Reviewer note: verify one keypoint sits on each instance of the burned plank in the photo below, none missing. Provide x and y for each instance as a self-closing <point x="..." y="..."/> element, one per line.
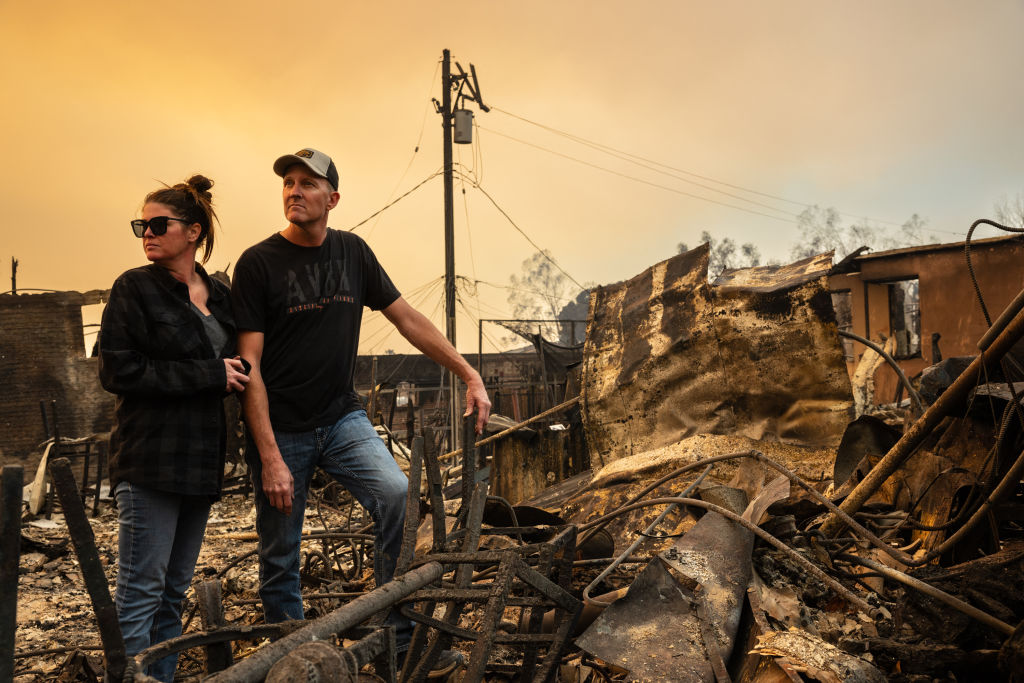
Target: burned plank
<point x="340" y="620"/>
<point x="927" y="658"/>
<point x="211" y="611"/>
<point x="92" y="571"/>
<point x="821" y="660"/>
<point x="11" y="477"/>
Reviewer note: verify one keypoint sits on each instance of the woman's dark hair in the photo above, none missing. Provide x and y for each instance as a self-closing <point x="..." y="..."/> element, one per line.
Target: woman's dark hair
<point x="193" y="201"/>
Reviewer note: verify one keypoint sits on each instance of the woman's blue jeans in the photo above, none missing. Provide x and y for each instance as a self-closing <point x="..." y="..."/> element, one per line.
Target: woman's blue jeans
<point x="353" y="454"/>
<point x="158" y="542"/>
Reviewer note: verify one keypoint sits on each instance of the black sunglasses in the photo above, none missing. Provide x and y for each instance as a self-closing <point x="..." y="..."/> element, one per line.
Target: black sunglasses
<point x="158" y="224"/>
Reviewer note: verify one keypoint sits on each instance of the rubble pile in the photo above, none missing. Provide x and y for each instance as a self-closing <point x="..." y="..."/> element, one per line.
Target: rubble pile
<point x="744" y="519"/>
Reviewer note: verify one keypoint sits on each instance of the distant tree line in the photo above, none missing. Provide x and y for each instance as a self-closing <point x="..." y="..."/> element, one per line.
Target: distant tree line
<point x="820" y="230"/>
<point x="542" y="291"/>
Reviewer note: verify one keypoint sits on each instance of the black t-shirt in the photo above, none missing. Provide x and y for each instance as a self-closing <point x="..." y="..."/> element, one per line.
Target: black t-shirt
<point x="308" y="302"/>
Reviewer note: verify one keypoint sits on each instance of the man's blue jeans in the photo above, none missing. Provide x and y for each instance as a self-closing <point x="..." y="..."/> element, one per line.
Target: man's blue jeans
<point x="352" y="453"/>
<point x="159" y="538"/>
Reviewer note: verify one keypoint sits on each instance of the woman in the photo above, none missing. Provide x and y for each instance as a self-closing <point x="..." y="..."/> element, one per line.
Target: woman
<point x="166" y="345"/>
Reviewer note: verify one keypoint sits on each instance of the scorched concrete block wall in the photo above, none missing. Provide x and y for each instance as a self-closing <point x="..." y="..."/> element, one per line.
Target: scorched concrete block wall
<point x="43" y="358"/>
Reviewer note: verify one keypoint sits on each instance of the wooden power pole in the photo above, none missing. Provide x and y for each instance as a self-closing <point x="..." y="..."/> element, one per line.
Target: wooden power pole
<point x="448" y="85"/>
<point x="449" y="241"/>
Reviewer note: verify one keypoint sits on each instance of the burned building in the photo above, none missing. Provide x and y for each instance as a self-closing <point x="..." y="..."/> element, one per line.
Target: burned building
<point x="717" y="536"/>
<point x="520" y="384"/>
<point x="924" y="300"/>
<point x="43" y="358"/>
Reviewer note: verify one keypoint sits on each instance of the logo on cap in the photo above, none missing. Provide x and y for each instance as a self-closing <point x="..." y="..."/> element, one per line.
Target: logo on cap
<point x="304" y="153"/>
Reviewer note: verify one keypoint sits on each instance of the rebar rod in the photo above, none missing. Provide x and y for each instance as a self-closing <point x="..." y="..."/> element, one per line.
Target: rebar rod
<point x="948" y="401"/>
<point x="839" y="588"/>
<point x="666" y="478"/>
<point x="1000" y="323"/>
<point x="931" y="591"/>
<point x="502" y="434"/>
<point x="640" y="538"/>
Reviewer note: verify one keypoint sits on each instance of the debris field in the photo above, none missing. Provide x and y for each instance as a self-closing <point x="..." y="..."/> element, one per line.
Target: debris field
<point x="745" y="517"/>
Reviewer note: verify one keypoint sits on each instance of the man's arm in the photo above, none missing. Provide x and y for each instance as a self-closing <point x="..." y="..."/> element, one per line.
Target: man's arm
<point x="277" y="478"/>
<point x="422" y="334"/>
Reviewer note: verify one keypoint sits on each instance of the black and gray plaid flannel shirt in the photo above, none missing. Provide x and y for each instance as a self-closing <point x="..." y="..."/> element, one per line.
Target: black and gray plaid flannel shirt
<point x="169" y="432"/>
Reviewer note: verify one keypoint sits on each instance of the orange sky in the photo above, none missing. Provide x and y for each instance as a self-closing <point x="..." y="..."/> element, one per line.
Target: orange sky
<point x="877" y="108"/>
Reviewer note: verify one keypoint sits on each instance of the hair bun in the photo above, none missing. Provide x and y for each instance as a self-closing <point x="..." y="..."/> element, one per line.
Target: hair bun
<point x="200" y="183"/>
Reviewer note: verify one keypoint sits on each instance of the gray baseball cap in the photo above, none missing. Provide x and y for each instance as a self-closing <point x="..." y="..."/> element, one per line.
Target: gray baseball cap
<point x="317" y="162"/>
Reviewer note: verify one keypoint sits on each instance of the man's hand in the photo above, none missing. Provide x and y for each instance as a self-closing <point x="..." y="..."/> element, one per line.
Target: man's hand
<point x="476" y="399"/>
<point x="278" y="484"/>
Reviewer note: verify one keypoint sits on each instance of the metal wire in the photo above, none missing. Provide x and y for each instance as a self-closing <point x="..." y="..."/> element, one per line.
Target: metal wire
<point x="932" y="591"/>
<point x="914" y="396"/>
<point x="809" y="566"/>
<point x="633" y="546"/>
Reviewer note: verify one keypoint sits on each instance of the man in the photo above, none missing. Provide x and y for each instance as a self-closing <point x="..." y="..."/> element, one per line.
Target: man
<point x="298" y="297"/>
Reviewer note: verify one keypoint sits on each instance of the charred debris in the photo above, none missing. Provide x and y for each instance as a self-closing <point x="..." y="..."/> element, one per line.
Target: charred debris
<point x="740" y="512"/>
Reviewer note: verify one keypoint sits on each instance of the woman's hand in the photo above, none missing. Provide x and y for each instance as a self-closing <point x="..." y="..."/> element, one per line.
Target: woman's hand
<point x="236" y="375"/>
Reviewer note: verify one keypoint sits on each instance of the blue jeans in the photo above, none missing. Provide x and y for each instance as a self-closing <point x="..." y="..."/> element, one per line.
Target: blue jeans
<point x="353" y="454"/>
<point x="158" y="542"/>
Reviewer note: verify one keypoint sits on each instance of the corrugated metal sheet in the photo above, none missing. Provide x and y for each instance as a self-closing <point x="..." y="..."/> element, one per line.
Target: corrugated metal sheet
<point x="756" y="354"/>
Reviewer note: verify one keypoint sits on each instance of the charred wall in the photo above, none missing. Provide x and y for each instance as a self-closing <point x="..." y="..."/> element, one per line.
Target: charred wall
<point x="43" y="358"/>
<point x="947" y="299"/>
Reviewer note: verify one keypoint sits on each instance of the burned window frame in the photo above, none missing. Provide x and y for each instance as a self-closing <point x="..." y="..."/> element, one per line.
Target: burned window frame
<point x="905" y="346"/>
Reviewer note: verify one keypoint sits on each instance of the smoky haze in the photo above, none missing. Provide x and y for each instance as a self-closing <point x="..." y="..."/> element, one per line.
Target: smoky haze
<point x="881" y="110"/>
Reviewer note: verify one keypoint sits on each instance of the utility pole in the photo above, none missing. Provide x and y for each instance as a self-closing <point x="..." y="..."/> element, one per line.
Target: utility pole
<point x="449" y="84"/>
<point x="449" y="241"/>
<point x="14" y="275"/>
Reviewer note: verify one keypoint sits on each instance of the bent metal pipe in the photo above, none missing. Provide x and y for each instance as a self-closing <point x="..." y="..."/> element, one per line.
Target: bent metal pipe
<point x="348" y="616"/>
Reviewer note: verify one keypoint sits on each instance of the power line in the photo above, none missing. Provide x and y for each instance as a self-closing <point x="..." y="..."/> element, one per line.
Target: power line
<point x="379" y="334"/>
<point x="521" y="232"/>
<point x="521" y="291"/>
<point x="416" y="148"/>
<point x="791" y="216"/>
<point x="469" y="233"/>
<point x="634" y="158"/>
<point x="388" y="329"/>
<point x="623" y="156"/>
<point x="390" y="204"/>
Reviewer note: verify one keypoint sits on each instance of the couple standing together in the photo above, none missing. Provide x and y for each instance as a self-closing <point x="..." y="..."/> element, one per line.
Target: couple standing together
<point x="174" y="342"/>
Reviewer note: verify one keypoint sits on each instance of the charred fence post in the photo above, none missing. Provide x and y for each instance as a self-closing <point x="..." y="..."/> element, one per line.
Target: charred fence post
<point x="412" y="507"/>
<point x="438" y="641"/>
<point x="557" y="557"/>
<point x="512" y="586"/>
<point x="469" y="460"/>
<point x="495" y="605"/>
<point x="56" y="453"/>
<point x="434" y="494"/>
<point x="211" y="612"/>
<point x="11" y="479"/>
<point x="419" y="636"/>
<point x="92" y="571"/>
